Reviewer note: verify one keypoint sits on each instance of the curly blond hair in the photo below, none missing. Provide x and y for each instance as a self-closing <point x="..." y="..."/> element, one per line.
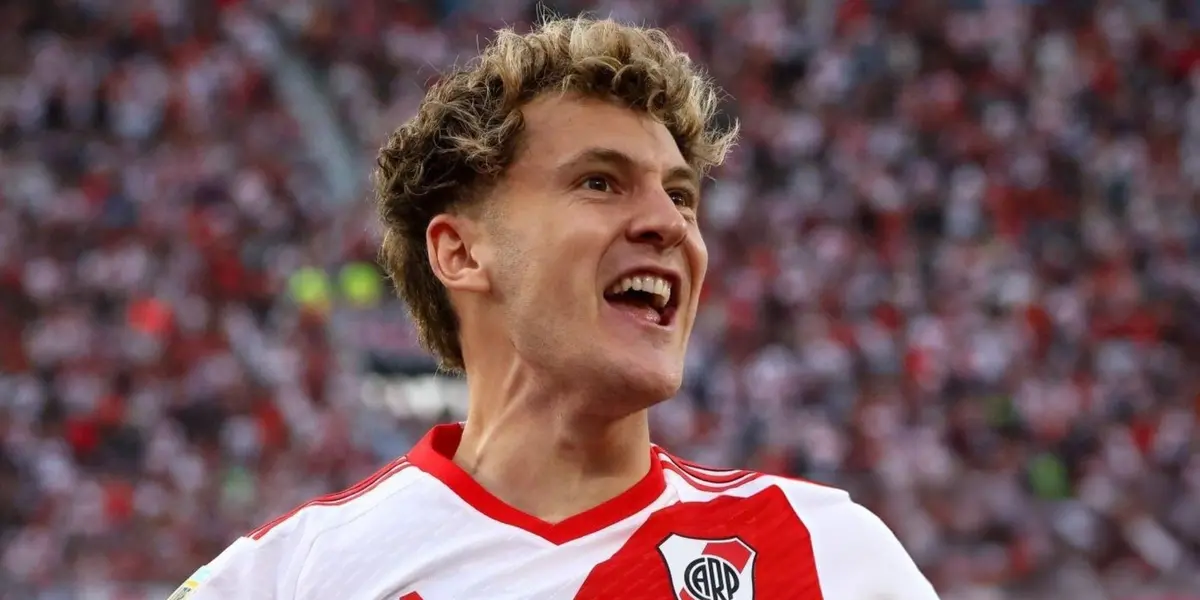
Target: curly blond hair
<point x="465" y="133"/>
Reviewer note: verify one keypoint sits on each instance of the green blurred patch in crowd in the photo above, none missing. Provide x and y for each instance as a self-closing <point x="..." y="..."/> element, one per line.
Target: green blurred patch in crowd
<point x="358" y="284"/>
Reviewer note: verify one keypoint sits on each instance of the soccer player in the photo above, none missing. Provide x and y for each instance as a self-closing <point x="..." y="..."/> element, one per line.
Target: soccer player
<point x="540" y="214"/>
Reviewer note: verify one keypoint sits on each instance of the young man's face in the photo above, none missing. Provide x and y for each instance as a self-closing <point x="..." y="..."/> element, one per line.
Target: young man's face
<point x="598" y="257"/>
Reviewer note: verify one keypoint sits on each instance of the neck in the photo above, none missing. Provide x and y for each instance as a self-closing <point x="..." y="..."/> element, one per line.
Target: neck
<point x="538" y="447"/>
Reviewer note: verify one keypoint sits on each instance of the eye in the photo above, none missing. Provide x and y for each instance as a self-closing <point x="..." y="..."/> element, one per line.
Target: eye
<point x="598" y="183"/>
<point x="682" y="197"/>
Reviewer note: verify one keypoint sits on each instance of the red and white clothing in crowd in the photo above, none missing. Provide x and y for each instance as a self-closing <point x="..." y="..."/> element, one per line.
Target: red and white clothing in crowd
<point x="422" y="528"/>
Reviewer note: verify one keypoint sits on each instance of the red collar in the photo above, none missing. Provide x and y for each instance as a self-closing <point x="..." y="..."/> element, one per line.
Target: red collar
<point x="434" y="454"/>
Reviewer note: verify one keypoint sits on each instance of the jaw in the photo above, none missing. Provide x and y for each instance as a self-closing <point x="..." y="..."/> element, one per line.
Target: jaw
<point x="604" y="376"/>
<point x="643" y="359"/>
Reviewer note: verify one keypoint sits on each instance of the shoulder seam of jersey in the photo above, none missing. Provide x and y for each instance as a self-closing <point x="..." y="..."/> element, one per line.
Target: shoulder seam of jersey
<point x="721" y="480"/>
<point x="715" y="470"/>
<point x="694" y="466"/>
<point x="354" y="492"/>
<point x="334" y="526"/>
<point x="704" y="479"/>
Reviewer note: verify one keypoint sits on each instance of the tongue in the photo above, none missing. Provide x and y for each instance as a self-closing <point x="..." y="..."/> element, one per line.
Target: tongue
<point x="637" y="309"/>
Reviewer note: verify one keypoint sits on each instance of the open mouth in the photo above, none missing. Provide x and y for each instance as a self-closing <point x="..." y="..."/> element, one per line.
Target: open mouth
<point x="651" y="297"/>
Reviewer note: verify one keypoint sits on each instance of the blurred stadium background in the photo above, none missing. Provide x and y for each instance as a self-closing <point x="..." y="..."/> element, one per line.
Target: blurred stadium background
<point x="953" y="270"/>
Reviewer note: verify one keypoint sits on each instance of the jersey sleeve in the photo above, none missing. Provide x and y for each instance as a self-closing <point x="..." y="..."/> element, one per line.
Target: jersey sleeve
<point x="249" y="569"/>
<point x="857" y="557"/>
<point x="894" y="575"/>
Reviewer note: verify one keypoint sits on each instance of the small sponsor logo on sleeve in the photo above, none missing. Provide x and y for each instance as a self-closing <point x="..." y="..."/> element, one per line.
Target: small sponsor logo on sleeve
<point x="192" y="583"/>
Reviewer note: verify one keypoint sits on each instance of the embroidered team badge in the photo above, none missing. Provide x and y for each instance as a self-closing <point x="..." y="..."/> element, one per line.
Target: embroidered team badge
<point x="709" y="569"/>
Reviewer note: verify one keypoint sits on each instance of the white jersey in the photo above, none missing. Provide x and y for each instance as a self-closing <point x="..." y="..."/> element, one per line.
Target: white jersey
<point x="423" y="529"/>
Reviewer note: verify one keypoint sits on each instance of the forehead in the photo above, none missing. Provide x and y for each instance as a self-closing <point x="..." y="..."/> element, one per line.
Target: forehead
<point x="559" y="126"/>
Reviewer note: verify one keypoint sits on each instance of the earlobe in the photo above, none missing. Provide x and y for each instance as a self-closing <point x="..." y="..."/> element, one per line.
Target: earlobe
<point x="451" y="243"/>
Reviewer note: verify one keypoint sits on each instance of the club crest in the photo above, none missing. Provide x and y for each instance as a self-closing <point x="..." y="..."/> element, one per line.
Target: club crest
<point x="709" y="569"/>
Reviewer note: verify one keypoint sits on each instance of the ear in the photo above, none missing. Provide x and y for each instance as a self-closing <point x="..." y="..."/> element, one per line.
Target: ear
<point x="450" y="241"/>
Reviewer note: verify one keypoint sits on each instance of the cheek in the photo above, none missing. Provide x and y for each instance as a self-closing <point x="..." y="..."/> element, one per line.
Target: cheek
<point x="578" y="242"/>
<point x="513" y="265"/>
<point x="570" y="260"/>
<point x="548" y="269"/>
<point x="698" y="258"/>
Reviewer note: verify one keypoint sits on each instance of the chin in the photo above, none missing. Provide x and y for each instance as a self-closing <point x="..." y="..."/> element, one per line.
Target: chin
<point x="639" y="384"/>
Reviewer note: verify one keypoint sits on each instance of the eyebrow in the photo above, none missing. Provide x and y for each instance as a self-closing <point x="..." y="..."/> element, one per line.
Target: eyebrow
<point x="616" y="157"/>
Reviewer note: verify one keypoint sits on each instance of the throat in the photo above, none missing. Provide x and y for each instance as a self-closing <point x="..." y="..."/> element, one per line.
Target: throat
<point x="551" y="479"/>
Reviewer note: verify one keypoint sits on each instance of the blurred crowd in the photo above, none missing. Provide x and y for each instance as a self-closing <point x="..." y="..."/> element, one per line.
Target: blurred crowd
<point x="953" y="270"/>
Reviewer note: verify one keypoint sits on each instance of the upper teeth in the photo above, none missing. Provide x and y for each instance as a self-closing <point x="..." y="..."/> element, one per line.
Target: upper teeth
<point x="652" y="284"/>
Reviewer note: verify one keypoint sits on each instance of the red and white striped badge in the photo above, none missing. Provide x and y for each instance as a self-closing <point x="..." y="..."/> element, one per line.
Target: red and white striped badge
<point x="709" y="569"/>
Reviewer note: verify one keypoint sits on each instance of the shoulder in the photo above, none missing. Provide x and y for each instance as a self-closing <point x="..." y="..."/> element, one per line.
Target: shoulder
<point x="839" y="530"/>
<point x="267" y="562"/>
<point x="692" y="479"/>
<point x="333" y="510"/>
<point x="842" y="535"/>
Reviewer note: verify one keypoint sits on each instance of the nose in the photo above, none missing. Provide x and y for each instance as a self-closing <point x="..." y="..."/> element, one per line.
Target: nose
<point x="658" y="222"/>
